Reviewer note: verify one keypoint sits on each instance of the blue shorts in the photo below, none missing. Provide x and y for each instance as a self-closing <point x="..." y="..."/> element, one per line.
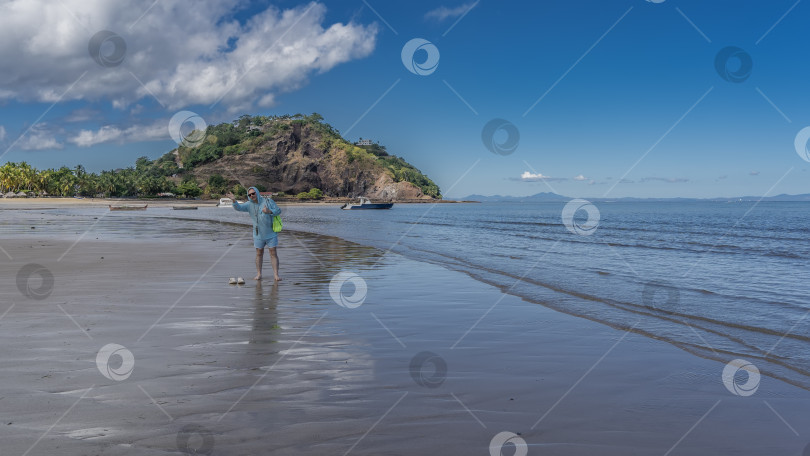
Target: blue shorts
<point x="262" y="243"/>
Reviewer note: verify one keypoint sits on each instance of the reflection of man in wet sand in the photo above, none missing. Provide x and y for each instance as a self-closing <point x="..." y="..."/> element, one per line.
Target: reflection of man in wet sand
<point x="262" y="210"/>
<point x="265" y="318"/>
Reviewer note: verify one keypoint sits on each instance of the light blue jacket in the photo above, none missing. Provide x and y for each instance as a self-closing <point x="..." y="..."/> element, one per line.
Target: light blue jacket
<point x="262" y="223"/>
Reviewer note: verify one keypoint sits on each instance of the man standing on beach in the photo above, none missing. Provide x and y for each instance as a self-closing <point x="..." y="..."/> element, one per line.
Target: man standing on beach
<point x="262" y="210"/>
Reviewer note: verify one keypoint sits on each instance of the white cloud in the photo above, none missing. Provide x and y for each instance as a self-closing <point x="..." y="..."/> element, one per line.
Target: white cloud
<point x="534" y="177"/>
<point x="111" y="133"/>
<point x="527" y="176"/>
<point x="444" y="12"/>
<point x="580" y="178"/>
<point x="182" y="52"/>
<point x="38" y="138"/>
<point x="87" y="138"/>
<point x="2" y="132"/>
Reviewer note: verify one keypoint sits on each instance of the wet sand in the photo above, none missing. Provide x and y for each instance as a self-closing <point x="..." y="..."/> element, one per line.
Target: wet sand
<point x="283" y="369"/>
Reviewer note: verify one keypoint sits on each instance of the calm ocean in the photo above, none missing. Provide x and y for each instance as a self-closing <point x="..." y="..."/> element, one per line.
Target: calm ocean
<point x="722" y="280"/>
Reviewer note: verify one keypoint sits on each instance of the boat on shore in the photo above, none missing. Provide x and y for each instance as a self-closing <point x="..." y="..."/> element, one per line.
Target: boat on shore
<point x="128" y="208"/>
<point x="366" y="204"/>
<point x="225" y="202"/>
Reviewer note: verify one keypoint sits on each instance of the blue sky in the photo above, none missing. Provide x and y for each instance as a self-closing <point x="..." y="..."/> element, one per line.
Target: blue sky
<point x="618" y="98"/>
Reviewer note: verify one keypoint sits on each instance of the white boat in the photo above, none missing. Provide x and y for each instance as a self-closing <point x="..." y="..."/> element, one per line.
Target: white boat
<point x="225" y="202"/>
<point x="366" y="204"/>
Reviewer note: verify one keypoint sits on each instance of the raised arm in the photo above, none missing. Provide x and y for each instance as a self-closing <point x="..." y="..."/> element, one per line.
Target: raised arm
<point x="241" y="207"/>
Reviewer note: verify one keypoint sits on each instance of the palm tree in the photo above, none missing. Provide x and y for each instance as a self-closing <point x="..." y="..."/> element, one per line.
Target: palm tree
<point x="44" y="180"/>
<point x="27" y="176"/>
<point x="106" y="184"/>
<point x="5" y="176"/>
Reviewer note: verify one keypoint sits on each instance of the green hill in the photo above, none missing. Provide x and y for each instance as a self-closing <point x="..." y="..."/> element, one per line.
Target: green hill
<point x="293" y="154"/>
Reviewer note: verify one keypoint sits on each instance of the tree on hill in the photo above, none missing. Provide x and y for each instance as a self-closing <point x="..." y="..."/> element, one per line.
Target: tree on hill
<point x="313" y="193"/>
<point x="189" y="188"/>
<point x="216" y="184"/>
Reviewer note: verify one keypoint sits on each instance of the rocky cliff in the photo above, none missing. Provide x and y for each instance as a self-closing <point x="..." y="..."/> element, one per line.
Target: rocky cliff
<point x="298" y="153"/>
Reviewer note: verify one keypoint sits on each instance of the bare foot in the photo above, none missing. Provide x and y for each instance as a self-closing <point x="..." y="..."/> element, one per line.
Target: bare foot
<point x="258" y="277"/>
<point x="278" y="279"/>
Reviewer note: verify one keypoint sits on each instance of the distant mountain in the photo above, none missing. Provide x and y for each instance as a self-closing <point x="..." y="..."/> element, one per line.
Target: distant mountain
<point x="545" y="196"/>
<point x="552" y="197"/>
<point x="782" y="197"/>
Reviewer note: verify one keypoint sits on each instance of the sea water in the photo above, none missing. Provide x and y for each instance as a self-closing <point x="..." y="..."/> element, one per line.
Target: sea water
<point x="722" y="280"/>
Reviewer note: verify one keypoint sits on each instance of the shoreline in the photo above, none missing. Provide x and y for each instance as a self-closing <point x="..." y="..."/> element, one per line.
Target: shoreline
<point x="316" y="377"/>
<point x="43" y="202"/>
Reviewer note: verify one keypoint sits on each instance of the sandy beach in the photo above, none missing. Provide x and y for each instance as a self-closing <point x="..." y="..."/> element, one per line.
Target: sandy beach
<point x="425" y="360"/>
<point x="51" y="203"/>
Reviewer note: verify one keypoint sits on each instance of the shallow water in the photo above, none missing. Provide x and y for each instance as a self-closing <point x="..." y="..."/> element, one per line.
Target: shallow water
<point x="723" y="280"/>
